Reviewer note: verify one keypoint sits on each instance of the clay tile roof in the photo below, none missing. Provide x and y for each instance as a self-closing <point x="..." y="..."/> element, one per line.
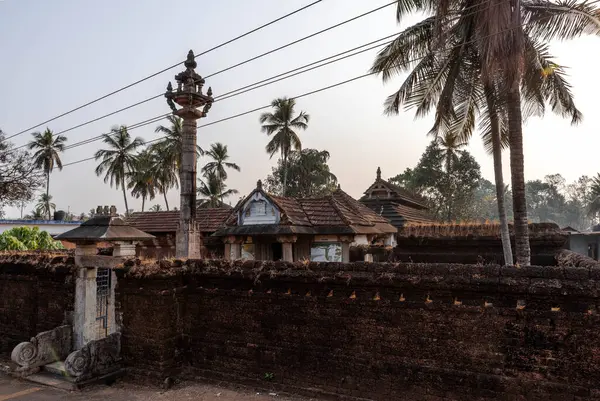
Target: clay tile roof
<point x="411" y="214"/>
<point x="209" y="220"/>
<point x="292" y="211"/>
<point x="321" y="212"/>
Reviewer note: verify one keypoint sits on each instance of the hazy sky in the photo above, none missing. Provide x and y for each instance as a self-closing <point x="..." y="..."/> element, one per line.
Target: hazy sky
<point x="62" y="53"/>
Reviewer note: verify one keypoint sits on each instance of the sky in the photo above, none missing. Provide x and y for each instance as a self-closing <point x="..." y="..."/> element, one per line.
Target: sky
<point x="60" y="54"/>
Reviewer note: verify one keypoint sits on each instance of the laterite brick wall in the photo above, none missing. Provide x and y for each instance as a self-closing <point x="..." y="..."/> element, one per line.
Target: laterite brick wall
<point x="36" y="292"/>
<point x="377" y="331"/>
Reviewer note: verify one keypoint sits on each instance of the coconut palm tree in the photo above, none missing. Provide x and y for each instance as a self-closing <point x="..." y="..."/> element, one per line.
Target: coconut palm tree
<point x="47" y="155"/>
<point x="156" y="208"/>
<point x="35" y="215"/>
<point x="212" y="191"/>
<point x="219" y="164"/>
<point x="119" y="159"/>
<point x="45" y="206"/>
<point x="170" y="146"/>
<point x="141" y="181"/>
<point x="443" y="75"/>
<point x="283" y="124"/>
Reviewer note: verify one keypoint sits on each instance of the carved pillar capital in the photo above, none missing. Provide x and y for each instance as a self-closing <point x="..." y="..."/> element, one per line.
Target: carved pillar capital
<point x="287" y="238"/>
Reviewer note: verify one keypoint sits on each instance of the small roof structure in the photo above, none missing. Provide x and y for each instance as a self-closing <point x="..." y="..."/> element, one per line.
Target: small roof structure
<point x="395" y="203"/>
<point x="208" y="219"/>
<point x="104" y="227"/>
<point x="337" y="213"/>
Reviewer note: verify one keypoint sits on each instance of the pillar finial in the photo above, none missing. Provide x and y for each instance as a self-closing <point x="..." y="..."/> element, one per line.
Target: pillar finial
<point x="259" y="185"/>
<point x="190" y="62"/>
<point x="379" y="173"/>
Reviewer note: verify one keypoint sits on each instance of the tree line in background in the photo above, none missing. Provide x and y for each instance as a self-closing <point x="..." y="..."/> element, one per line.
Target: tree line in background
<point x="450" y="181"/>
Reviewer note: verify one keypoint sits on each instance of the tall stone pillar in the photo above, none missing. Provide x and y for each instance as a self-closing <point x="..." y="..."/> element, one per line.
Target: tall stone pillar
<point x="189" y="96"/>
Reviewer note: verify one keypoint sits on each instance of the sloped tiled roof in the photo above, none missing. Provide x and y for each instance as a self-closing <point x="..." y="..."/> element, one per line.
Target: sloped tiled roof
<point x="334" y="212"/>
<point x="292" y="211"/>
<point x="209" y="220"/>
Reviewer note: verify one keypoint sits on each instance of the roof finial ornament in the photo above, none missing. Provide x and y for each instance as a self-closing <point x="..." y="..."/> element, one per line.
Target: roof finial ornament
<point x="379" y="173"/>
<point x="339" y="187"/>
<point x="190" y="62"/>
<point x="259" y="185"/>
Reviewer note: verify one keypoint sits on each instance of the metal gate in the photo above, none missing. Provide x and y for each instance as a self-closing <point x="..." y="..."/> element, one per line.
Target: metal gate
<point x="103" y="284"/>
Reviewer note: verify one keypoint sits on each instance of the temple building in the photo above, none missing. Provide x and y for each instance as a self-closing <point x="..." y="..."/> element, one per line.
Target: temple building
<point x="267" y="227"/>
<point x="396" y="204"/>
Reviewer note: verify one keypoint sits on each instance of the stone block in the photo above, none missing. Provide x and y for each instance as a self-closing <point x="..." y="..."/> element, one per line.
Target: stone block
<point x="47" y="347"/>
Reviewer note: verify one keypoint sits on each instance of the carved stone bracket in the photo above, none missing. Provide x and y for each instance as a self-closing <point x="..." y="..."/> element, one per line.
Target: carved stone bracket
<point x="47" y="347"/>
<point x="96" y="358"/>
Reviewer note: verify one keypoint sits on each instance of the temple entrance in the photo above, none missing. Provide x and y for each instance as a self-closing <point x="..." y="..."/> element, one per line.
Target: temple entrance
<point x="277" y="251"/>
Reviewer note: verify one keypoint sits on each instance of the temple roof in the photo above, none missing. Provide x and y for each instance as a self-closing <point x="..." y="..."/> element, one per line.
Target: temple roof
<point x="208" y="219"/>
<point x="337" y="213"/>
<point x="104" y="228"/>
<point x="398" y="205"/>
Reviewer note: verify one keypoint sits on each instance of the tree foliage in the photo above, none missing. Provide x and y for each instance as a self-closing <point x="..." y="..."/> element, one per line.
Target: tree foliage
<point x="26" y="239"/>
<point x="19" y="176"/>
<point x="449" y="193"/>
<point x="308" y="175"/>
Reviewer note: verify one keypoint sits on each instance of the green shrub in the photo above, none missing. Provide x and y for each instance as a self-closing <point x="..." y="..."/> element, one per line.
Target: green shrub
<point x="27" y="238"/>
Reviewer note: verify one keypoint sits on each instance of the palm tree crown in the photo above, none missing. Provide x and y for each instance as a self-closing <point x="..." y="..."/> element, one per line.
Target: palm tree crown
<point x="47" y="155"/>
<point x="212" y="191"/>
<point x="118" y="159"/>
<point x="219" y="164"/>
<point x="141" y="181"/>
<point x="170" y="146"/>
<point x="283" y="124"/>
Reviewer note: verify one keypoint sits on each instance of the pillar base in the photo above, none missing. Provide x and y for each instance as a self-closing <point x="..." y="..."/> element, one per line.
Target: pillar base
<point x="188" y="242"/>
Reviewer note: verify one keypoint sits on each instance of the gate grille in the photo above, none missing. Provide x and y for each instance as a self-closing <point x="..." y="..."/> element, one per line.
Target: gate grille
<point x="102" y="301"/>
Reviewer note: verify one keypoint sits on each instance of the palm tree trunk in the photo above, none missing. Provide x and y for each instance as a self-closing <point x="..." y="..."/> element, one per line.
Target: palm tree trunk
<point x="166" y="201"/>
<point x="143" y="202"/>
<point x="497" y="156"/>
<point x="48" y="194"/>
<point x="517" y="169"/>
<point x="124" y="196"/>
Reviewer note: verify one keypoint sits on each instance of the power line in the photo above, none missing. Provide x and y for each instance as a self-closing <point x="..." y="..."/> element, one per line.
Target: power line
<point x="252" y="59"/>
<point x="247" y="88"/>
<point x="166" y="69"/>
<point x="218" y="72"/>
<point x="340" y="83"/>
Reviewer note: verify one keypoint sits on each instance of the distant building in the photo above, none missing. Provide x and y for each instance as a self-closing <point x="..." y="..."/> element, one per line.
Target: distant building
<point x="585" y="243"/>
<point x="395" y="203"/>
<point x="53" y="227"/>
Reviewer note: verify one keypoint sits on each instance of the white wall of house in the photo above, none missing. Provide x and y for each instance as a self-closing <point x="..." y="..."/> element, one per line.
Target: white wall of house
<point x="52" y="227"/>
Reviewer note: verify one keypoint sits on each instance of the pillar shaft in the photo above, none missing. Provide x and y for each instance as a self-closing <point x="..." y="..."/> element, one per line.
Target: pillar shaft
<point x="187" y="245"/>
<point x="84" y="319"/>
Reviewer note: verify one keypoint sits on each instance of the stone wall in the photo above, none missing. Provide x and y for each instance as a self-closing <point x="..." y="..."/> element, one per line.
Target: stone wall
<point x="36" y="293"/>
<point x="377" y="331"/>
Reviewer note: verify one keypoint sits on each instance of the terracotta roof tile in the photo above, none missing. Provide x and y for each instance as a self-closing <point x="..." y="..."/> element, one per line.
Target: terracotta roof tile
<point x="292" y="211"/>
<point x="209" y="220"/>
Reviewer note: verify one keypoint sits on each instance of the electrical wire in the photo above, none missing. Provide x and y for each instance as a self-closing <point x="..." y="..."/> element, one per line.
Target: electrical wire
<point x="165" y="69"/>
<point x="330" y="86"/>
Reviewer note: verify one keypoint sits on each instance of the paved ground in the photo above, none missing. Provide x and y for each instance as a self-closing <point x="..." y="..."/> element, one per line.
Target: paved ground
<point x="12" y="389"/>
